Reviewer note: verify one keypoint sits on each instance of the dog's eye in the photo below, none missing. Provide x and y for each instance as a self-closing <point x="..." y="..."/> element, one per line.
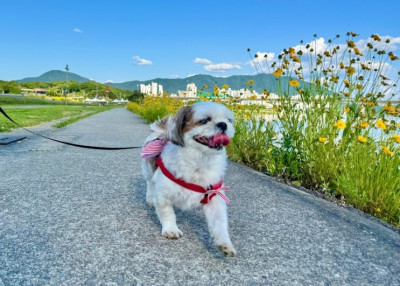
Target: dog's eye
<point x="205" y="120"/>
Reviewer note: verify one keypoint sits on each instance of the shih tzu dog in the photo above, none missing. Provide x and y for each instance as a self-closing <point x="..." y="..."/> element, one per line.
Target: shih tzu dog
<point x="184" y="162"/>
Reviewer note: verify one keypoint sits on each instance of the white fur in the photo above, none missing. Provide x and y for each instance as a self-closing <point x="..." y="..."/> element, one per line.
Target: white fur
<point x="194" y="163"/>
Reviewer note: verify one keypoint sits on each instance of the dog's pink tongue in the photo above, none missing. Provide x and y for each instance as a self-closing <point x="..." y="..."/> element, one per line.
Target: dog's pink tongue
<point x="220" y="139"/>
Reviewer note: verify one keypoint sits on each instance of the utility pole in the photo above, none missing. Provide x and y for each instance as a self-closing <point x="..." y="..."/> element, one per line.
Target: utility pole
<point x="66" y="87"/>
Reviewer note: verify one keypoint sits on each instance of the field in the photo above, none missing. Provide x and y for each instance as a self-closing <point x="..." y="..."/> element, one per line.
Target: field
<point x="33" y="111"/>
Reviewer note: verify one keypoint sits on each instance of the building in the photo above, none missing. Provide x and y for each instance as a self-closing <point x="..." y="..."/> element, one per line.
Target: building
<point x="191" y="91"/>
<point x="152" y="89"/>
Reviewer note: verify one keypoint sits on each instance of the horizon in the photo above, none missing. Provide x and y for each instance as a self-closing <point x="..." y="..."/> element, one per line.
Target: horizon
<point x="122" y="41"/>
<point x="145" y="80"/>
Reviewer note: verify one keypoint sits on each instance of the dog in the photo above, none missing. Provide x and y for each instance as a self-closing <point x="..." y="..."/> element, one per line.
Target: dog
<point x="184" y="162"/>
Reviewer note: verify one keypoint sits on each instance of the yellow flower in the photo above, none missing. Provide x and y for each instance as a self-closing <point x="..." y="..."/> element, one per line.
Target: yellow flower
<point x="340" y="124"/>
<point x="376" y="37"/>
<point x="381" y="124"/>
<point x="253" y="97"/>
<point x="278" y="72"/>
<point x="295" y="58"/>
<point x="361" y="139"/>
<point x="383" y="77"/>
<point x="387" y="151"/>
<point x="247" y="117"/>
<point x="251" y="81"/>
<point x="365" y="67"/>
<point x="350" y="71"/>
<point x="347" y="109"/>
<point x="346" y="83"/>
<point x="392" y="56"/>
<point x="364" y="124"/>
<point x="322" y="139"/>
<point x="357" y="52"/>
<point x="396" y="138"/>
<point x="350" y="44"/>
<point x="398" y="124"/>
<point x="225" y="86"/>
<point x="294" y="83"/>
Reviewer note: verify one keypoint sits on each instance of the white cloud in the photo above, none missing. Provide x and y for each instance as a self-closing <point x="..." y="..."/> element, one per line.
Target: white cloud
<point x="262" y="62"/>
<point x="221" y="67"/>
<point x="202" y="61"/>
<point x="141" y="62"/>
<point x="77" y="30"/>
<point x="109" y="81"/>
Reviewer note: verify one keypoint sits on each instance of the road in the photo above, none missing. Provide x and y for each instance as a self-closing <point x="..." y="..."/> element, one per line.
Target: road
<point x="71" y="216"/>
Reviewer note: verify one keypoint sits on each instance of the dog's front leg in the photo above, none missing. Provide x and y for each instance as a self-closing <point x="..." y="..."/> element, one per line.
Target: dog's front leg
<point x="217" y="220"/>
<point x="166" y="214"/>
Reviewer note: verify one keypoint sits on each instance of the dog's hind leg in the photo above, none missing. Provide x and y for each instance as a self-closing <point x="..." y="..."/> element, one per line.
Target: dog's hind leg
<point x="217" y="220"/>
<point x="150" y="193"/>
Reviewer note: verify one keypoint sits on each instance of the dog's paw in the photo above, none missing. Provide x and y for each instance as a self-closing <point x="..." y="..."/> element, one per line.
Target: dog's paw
<point x="227" y="249"/>
<point x="172" y="233"/>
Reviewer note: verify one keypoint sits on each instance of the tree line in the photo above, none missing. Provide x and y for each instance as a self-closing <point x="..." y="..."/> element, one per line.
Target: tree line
<point x="87" y="89"/>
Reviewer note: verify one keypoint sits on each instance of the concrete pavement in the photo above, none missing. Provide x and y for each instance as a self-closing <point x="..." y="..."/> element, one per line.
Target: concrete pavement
<point x="71" y="216"/>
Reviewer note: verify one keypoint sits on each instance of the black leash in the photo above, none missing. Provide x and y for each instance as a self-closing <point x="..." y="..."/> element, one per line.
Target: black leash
<point x="68" y="143"/>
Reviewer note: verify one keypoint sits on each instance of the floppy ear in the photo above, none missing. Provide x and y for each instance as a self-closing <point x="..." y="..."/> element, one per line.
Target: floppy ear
<point x="175" y="134"/>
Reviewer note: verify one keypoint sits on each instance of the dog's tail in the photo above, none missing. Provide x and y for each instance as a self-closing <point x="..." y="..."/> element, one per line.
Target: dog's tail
<point x="160" y="126"/>
<point x="159" y="129"/>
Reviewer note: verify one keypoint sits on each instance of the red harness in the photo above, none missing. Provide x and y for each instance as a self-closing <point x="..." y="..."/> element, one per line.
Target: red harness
<point x="209" y="193"/>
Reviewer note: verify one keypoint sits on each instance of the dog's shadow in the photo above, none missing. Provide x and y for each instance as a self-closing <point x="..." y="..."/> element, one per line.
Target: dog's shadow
<point x="194" y="220"/>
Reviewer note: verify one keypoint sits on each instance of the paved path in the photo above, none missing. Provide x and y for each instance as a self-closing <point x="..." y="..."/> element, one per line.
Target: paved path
<point x="71" y="216"/>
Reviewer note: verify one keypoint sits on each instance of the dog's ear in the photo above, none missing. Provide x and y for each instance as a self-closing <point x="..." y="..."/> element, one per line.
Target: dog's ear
<point x="180" y="120"/>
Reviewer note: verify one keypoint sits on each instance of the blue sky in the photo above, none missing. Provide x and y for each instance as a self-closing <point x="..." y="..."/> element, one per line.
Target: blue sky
<point x="141" y="40"/>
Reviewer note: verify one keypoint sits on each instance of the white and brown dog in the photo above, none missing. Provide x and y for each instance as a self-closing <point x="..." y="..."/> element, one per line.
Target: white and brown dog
<point x="184" y="162"/>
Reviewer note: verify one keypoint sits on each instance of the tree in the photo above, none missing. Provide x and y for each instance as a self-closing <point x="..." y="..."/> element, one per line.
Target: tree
<point x="10" y="87"/>
<point x="136" y="96"/>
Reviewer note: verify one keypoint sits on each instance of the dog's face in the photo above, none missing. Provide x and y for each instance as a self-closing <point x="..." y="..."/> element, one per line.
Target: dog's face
<point x="207" y="126"/>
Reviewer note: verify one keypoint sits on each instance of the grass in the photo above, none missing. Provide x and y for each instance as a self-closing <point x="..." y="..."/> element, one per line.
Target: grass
<point x="24" y="100"/>
<point x="31" y="116"/>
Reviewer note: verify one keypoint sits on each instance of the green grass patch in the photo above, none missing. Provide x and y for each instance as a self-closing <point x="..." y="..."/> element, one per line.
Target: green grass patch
<point x="32" y="100"/>
<point x="31" y="116"/>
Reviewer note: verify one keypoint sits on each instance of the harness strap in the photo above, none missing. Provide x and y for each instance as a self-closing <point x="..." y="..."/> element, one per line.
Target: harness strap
<point x="208" y="193"/>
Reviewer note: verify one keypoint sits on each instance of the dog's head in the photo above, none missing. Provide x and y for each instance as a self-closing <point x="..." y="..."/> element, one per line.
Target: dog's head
<point x="204" y="125"/>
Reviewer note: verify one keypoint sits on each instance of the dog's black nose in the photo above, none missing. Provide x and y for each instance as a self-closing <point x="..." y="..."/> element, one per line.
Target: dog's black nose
<point x="222" y="126"/>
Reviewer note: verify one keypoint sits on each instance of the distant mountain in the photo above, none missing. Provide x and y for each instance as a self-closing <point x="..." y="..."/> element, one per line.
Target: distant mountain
<point x="261" y="81"/>
<point x="55" y="75"/>
<point x="172" y="85"/>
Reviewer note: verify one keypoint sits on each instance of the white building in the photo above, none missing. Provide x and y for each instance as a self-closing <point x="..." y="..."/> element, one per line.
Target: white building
<point x="151" y="89"/>
<point x="191" y="91"/>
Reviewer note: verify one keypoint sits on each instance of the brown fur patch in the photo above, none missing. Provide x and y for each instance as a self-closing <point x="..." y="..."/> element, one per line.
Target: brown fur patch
<point x="181" y="119"/>
<point x="152" y="163"/>
<point x="162" y="124"/>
